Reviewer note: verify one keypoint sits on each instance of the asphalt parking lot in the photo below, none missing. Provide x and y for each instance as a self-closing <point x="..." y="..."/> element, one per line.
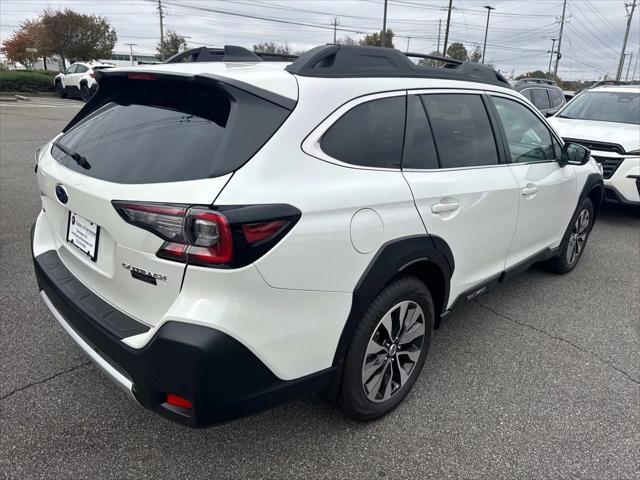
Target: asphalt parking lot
<point x="539" y="379"/>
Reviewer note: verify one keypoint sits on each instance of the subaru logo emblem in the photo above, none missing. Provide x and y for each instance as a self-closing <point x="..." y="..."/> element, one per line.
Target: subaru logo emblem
<point x="61" y="194"/>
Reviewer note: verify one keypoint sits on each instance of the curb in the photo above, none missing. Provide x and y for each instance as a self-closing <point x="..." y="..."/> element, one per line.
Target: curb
<point x="8" y="99"/>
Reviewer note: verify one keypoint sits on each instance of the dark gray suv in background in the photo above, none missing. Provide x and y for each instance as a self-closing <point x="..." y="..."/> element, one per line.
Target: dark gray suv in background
<point x="544" y="94"/>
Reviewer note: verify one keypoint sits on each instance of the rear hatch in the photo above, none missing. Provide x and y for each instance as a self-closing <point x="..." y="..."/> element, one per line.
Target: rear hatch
<point x="170" y="140"/>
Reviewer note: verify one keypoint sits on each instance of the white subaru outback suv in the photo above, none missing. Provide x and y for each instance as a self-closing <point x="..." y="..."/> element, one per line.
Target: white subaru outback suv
<point x="606" y="119"/>
<point x="222" y="237"/>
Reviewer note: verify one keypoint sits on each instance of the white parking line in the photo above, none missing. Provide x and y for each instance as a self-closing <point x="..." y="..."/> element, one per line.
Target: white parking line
<point x="48" y="102"/>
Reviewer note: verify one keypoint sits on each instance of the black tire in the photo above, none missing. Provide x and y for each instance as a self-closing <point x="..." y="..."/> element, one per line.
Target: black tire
<point x="85" y="93"/>
<point x="568" y="257"/>
<point x="352" y="398"/>
<point x="60" y="90"/>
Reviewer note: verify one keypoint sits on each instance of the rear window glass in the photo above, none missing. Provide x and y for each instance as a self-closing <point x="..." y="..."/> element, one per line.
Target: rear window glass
<point x="155" y="132"/>
<point x="540" y="98"/>
<point x="462" y="130"/>
<point x="370" y="134"/>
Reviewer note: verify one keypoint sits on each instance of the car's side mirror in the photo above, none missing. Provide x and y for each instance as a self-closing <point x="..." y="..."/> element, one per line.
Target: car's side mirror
<point x="549" y="113"/>
<point x="574" y="154"/>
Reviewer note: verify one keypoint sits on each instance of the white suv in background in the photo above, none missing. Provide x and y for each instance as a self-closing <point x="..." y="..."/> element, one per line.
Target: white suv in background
<point x="606" y="120"/>
<point x="79" y="80"/>
<point x="221" y="237"/>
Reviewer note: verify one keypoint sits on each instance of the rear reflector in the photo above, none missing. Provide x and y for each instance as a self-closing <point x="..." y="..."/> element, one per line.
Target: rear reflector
<point x="178" y="401"/>
<point x="257" y="232"/>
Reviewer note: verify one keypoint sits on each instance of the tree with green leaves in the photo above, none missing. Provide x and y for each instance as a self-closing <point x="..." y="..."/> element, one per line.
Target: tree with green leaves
<point x="173" y="43"/>
<point x="457" y="51"/>
<point x="476" y="55"/>
<point x="375" y="39"/>
<point x="77" y="36"/>
<point x="272" y="47"/>
<point x="534" y="74"/>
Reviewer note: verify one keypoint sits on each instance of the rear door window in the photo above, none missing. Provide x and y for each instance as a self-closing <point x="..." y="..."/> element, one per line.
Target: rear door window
<point x="419" y="146"/>
<point x="462" y="131"/>
<point x="540" y="98"/>
<point x="527" y="93"/>
<point x="557" y="98"/>
<point x="156" y="131"/>
<point x="369" y="135"/>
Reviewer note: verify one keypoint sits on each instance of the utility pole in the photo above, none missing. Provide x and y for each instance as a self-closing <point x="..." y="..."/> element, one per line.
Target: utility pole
<point x="384" y="26"/>
<point x="161" y="30"/>
<point x="439" y="30"/>
<point x="626" y="37"/>
<point x="335" y="26"/>
<point x="131" y="45"/>
<point x="626" y="77"/>
<point x="553" y="43"/>
<point x="408" y="40"/>
<point x="558" y="54"/>
<point x="446" y="30"/>
<point x="633" y="75"/>
<point x="486" y="30"/>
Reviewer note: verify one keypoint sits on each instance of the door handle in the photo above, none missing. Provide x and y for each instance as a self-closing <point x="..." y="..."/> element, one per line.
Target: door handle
<point x="445" y="207"/>
<point x="530" y="190"/>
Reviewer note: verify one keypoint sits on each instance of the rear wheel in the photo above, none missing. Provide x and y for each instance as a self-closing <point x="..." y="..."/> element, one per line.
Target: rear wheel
<point x="85" y="93"/>
<point x="60" y="90"/>
<point x="388" y="350"/>
<point x="575" y="239"/>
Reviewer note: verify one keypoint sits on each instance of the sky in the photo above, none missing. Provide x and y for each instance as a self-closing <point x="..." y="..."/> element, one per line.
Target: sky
<point x="519" y="36"/>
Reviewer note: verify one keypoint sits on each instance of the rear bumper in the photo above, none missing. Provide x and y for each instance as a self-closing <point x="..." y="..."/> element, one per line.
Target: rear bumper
<point x="222" y="378"/>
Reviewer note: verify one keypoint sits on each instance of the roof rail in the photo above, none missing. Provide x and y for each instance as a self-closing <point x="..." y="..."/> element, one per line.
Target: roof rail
<point x="229" y="53"/>
<point x="344" y="61"/>
<point x="542" y="81"/>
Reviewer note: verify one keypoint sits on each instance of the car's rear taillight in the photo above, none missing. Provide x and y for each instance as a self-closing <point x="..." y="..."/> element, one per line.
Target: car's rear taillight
<point x="224" y="237"/>
<point x="92" y="75"/>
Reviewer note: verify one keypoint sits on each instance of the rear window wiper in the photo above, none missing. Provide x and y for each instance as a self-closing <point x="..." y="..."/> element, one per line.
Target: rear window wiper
<point x="79" y="159"/>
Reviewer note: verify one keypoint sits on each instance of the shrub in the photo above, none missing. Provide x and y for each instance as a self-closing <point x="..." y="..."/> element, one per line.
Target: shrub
<point x="26" y="81"/>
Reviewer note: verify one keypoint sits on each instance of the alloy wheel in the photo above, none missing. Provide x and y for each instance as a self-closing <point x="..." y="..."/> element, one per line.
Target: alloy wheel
<point x="578" y="236"/>
<point x="393" y="351"/>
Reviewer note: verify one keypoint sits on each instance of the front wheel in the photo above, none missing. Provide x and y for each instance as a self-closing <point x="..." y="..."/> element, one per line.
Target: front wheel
<point x="388" y="350"/>
<point x="60" y="90"/>
<point x="575" y="239"/>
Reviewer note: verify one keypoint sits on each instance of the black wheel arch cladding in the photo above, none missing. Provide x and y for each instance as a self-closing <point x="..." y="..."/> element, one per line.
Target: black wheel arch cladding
<point x="392" y="258"/>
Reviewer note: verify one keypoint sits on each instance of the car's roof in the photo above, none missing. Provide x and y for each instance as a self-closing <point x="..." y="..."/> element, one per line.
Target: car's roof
<point x="269" y="76"/>
<point x="617" y="88"/>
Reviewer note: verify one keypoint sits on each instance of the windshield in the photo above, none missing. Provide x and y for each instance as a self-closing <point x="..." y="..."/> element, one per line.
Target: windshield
<point x="620" y="107"/>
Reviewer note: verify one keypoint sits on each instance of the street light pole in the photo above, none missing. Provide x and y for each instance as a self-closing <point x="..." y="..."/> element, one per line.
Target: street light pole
<point x="486" y="30"/>
<point x="553" y="44"/>
<point x="131" y="45"/>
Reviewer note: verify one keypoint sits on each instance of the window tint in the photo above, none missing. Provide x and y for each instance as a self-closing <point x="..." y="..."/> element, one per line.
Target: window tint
<point x="527" y="93"/>
<point x="153" y="132"/>
<point x="370" y="134"/>
<point x="462" y="131"/>
<point x="557" y="98"/>
<point x="419" y="147"/>
<point x="529" y="139"/>
<point x="540" y="98"/>
<point x="72" y="68"/>
<point x="81" y="69"/>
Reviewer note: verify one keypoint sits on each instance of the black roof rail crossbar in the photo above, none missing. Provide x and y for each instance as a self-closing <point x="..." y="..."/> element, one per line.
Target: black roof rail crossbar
<point x="539" y="81"/>
<point x="228" y="53"/>
<point x="344" y="61"/>
<point x="438" y="58"/>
